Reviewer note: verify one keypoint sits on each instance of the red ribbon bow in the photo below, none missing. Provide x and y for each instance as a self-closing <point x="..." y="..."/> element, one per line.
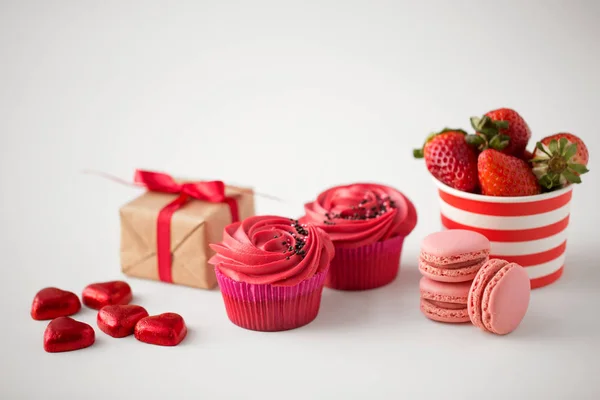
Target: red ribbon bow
<point x="212" y="191"/>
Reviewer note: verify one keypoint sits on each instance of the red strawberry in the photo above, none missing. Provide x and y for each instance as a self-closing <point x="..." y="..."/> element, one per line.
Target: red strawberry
<point x="527" y="155"/>
<point x="450" y="159"/>
<point x="504" y="175"/>
<point x="503" y="129"/>
<point x="560" y="160"/>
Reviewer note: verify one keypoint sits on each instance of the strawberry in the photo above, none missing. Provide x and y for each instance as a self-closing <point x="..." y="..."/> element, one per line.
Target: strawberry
<point x="450" y="159"/>
<point x="505" y="175"/>
<point x="502" y="129"/>
<point x="559" y="160"/>
<point x="527" y="155"/>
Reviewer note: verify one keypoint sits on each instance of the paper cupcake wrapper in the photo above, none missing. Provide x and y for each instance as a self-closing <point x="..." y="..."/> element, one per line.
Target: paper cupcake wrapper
<point x="271" y="308"/>
<point x="530" y="231"/>
<point x="366" y="267"/>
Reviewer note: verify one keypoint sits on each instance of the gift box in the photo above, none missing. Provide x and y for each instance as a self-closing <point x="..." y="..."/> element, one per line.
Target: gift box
<point x="528" y="230"/>
<point x="165" y="232"/>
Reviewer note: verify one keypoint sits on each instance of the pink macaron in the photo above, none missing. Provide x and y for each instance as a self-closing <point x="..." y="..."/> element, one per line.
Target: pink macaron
<point x="444" y="302"/>
<point x="453" y="255"/>
<point x="499" y="297"/>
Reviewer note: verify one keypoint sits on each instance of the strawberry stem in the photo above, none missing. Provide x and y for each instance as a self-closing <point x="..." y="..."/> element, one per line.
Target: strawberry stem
<point x="558" y="168"/>
<point x="488" y="133"/>
<point x="557" y="164"/>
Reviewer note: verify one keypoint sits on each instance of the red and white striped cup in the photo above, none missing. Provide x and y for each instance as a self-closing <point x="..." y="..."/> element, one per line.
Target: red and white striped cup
<point x="529" y="230"/>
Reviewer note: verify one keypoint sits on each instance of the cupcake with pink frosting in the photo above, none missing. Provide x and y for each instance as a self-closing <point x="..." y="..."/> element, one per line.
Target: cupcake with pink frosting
<point x="367" y="224"/>
<point x="271" y="272"/>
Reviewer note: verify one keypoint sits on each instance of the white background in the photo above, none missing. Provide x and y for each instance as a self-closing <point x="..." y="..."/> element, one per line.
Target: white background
<point x="290" y="99"/>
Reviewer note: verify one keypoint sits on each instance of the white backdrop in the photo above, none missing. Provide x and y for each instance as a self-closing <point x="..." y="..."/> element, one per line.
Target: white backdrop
<point x="289" y="98"/>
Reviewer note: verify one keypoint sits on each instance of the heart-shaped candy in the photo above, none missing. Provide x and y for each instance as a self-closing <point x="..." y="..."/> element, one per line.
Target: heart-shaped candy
<point x="166" y="329"/>
<point x="98" y="295"/>
<point x="66" y="334"/>
<point x="51" y="302"/>
<point x="119" y="320"/>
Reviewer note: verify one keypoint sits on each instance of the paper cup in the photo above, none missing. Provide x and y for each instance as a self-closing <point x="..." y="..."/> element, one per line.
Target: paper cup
<point x="269" y="308"/>
<point x="528" y="230"/>
<point x="366" y="267"/>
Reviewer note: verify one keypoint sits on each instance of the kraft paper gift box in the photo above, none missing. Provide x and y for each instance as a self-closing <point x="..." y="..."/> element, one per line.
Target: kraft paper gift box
<point x="192" y="227"/>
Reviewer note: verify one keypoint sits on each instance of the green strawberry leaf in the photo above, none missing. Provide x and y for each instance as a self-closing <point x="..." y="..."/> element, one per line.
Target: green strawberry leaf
<point x="484" y="125"/>
<point x="571" y="177"/>
<point x="541" y="148"/>
<point x="579" y="168"/>
<point x="475" y="140"/>
<point x="570" y="151"/>
<point x="562" y="145"/>
<point x="501" y="124"/>
<point x="554" y="176"/>
<point x="476" y="123"/>
<point x="538" y="159"/>
<point x="504" y="141"/>
<point x="553" y="146"/>
<point x="495" y="143"/>
<point x="499" y="142"/>
<point x="546" y="182"/>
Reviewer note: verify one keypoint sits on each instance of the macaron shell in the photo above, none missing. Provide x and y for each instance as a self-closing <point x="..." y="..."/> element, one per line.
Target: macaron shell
<point x="442" y="274"/>
<point x="436" y="313"/>
<point x="506" y="299"/>
<point x="456" y="293"/>
<point x="453" y="242"/>
<point x="485" y="275"/>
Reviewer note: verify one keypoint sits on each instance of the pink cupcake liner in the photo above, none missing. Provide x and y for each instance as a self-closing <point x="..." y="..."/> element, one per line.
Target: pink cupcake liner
<point x="366" y="267"/>
<point x="270" y="308"/>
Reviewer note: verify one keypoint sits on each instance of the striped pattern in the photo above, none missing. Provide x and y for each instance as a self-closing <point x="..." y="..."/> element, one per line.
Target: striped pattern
<point x="531" y="231"/>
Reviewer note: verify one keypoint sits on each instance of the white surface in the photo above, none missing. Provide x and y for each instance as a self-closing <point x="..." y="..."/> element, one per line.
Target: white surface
<point x="290" y="99"/>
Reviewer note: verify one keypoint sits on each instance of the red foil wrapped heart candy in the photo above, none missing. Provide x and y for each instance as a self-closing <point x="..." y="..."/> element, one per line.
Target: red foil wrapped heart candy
<point x="67" y="334"/>
<point x="119" y="320"/>
<point x="98" y="295"/>
<point x="51" y="302"/>
<point x="166" y="329"/>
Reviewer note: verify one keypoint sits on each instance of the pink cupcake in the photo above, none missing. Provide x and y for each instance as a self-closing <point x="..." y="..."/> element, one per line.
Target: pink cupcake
<point x="367" y="224"/>
<point x="271" y="272"/>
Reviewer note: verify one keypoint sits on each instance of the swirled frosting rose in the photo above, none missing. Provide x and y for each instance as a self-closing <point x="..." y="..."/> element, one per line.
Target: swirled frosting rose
<point x="272" y="250"/>
<point x="361" y="214"/>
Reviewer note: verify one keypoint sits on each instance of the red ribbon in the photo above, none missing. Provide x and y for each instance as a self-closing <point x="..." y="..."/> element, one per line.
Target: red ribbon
<point x="212" y="191"/>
